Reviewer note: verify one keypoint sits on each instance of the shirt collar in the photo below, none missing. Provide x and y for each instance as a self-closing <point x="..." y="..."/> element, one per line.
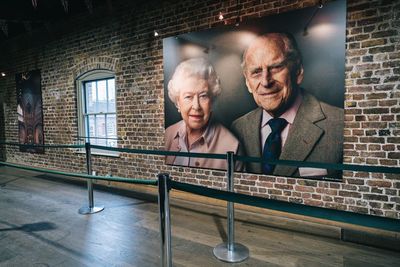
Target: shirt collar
<point x="207" y="135"/>
<point x="288" y="115"/>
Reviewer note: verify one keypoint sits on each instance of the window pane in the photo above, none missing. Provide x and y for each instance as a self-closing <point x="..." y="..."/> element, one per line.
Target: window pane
<point x="101" y="96"/>
<point x="89" y="121"/>
<point x="111" y="95"/>
<point x="102" y="90"/>
<point x="101" y="129"/>
<point x="112" y="130"/>
<point x="90" y="89"/>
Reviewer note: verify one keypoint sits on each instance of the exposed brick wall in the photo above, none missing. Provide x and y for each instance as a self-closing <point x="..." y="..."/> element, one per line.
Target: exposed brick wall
<point x="124" y="42"/>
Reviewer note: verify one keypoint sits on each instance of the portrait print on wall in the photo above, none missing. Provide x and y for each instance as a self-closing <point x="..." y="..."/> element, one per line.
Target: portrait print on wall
<point x="29" y="110"/>
<point x="270" y="88"/>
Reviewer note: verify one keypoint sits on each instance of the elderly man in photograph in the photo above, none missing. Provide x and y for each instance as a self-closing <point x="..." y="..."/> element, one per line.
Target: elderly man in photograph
<point x="289" y="123"/>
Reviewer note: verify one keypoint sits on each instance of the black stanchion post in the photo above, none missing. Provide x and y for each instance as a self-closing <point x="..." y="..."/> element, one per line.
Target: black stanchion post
<point x="165" y="219"/>
<point x="90" y="208"/>
<point x="231" y="251"/>
<point x="230" y="208"/>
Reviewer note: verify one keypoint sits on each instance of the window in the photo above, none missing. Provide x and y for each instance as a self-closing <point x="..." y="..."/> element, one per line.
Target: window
<point x="97" y="109"/>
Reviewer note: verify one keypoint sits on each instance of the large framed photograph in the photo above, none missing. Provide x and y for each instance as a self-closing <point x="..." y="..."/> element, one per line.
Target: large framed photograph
<point x="270" y="88"/>
<point x="29" y="111"/>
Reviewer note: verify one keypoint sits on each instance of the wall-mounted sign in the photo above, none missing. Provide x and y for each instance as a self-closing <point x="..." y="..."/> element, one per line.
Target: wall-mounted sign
<point x="271" y="88"/>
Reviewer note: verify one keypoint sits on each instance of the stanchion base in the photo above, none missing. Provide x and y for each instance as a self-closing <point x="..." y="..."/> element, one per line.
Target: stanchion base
<point x="88" y="210"/>
<point x="238" y="254"/>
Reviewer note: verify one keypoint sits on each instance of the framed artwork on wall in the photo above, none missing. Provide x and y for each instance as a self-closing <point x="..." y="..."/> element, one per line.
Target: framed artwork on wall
<point x="29" y="111"/>
<point x="271" y="87"/>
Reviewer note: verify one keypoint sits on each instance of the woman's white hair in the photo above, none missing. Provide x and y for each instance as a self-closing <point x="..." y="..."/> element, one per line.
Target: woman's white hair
<point x="194" y="67"/>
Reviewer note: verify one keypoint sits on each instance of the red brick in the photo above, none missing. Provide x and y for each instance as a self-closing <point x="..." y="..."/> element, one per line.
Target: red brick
<point x="312" y="202"/>
<point x="358" y="209"/>
<point x="304" y="188"/>
<point x="355" y="181"/>
<point x="374" y="42"/>
<point x="284" y="186"/>
<point x="349" y="194"/>
<point x="378" y="183"/>
<point x="274" y="192"/>
<point x="336" y="206"/>
<point x="331" y="192"/>
<point x="394" y="155"/>
<point x="375" y="197"/>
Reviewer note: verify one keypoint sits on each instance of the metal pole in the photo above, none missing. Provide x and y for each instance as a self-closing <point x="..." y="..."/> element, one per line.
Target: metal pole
<point x="230" y="211"/>
<point x="165" y="219"/>
<point x="90" y="208"/>
<point x="89" y="171"/>
<point x="230" y="251"/>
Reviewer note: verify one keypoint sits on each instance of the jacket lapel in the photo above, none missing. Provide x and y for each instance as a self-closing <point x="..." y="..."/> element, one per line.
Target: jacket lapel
<point x="253" y="144"/>
<point x="254" y="127"/>
<point x="303" y="135"/>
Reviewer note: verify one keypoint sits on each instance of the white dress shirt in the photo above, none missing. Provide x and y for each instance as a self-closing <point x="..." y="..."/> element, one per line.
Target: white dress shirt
<point x="288" y="115"/>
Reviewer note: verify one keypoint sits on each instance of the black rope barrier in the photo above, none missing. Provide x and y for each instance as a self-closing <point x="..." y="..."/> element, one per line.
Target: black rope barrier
<point x="161" y="152"/>
<point x="295" y="208"/>
<point x="86" y="176"/>
<point x="294" y="163"/>
<point x="44" y="146"/>
<point x="332" y="166"/>
<point x="93" y="137"/>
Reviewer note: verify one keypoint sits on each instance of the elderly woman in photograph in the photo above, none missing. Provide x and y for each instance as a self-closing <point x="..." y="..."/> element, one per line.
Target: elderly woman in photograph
<point x="193" y="89"/>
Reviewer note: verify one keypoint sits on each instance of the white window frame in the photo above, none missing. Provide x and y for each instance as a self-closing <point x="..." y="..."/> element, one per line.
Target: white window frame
<point x="99" y="74"/>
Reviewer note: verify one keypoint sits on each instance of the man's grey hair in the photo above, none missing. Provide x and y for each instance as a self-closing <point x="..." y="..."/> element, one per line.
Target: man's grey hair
<point x="292" y="52"/>
<point x="195" y="67"/>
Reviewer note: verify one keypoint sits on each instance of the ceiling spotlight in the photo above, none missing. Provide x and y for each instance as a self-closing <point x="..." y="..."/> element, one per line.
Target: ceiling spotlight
<point x="220" y="17"/>
<point x="3" y="74"/>
<point x="155" y="33"/>
<point x="320" y="5"/>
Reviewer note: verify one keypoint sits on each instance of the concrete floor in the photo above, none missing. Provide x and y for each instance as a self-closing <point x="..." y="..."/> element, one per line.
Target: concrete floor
<point x="40" y="226"/>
